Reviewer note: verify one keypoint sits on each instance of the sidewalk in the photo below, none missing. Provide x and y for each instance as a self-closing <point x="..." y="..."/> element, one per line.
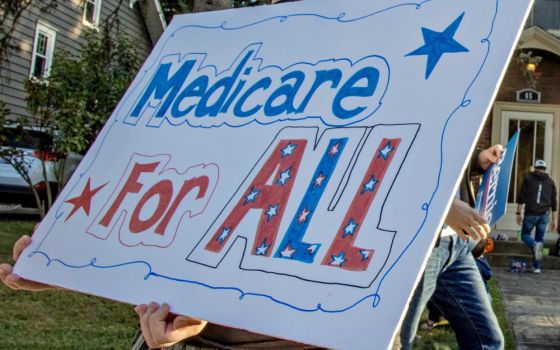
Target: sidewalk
<point x="532" y="306"/>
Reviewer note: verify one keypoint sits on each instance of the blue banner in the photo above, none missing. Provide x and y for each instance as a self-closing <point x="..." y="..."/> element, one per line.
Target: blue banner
<point x="491" y="199"/>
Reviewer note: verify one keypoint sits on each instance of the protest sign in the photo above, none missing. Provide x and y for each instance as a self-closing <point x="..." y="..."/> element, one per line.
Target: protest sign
<point x="283" y="169"/>
<point x="491" y="199"/>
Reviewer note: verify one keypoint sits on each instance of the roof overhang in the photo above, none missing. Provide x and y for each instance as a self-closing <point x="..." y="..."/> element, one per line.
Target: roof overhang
<point x="538" y="38"/>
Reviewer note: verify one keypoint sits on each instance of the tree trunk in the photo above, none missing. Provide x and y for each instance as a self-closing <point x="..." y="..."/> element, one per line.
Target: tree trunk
<point x="211" y="5"/>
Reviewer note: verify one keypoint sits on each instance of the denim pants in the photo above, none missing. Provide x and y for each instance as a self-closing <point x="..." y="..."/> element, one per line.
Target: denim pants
<point x="539" y="222"/>
<point x="452" y="281"/>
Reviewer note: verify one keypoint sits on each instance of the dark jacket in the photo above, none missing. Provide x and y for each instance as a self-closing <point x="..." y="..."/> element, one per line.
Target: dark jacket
<point x="538" y="193"/>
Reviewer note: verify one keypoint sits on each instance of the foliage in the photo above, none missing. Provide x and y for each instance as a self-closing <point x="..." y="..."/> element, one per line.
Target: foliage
<point x="74" y="101"/>
<point x="175" y="7"/>
<point x="83" y="91"/>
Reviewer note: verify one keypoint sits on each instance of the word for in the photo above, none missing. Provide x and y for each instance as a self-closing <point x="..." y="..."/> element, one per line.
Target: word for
<point x="158" y="197"/>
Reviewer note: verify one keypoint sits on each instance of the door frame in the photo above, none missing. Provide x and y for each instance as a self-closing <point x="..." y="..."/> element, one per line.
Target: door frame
<point x="499" y="133"/>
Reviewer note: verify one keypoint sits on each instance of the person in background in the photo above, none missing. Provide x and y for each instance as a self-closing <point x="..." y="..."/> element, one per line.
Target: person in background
<point x="451" y="279"/>
<point x="536" y="200"/>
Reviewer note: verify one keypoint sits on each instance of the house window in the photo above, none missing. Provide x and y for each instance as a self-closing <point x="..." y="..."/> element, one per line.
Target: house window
<point x="43" y="49"/>
<point x="545" y="14"/>
<point x="92" y="10"/>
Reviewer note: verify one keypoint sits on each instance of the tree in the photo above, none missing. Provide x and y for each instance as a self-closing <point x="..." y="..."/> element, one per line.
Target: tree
<point x="74" y="101"/>
<point x="175" y="7"/>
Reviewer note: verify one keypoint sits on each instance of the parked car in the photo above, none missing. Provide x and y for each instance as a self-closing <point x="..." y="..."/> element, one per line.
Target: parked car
<point x="13" y="187"/>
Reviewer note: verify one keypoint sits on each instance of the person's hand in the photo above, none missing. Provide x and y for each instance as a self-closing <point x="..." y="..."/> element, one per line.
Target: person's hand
<point x="161" y="328"/>
<point x="466" y="221"/>
<point x="552" y="225"/>
<point x="519" y="219"/>
<point x="490" y="156"/>
<point x="14" y="281"/>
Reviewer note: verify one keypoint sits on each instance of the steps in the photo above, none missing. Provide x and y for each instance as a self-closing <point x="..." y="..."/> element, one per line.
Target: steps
<point x="505" y="250"/>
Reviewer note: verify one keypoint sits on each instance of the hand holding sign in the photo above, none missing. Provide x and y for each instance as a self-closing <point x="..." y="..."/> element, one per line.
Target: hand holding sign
<point x="491" y="199"/>
<point x="14" y="281"/>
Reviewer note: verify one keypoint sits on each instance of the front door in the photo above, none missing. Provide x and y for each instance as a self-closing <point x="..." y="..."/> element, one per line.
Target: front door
<point x="535" y="142"/>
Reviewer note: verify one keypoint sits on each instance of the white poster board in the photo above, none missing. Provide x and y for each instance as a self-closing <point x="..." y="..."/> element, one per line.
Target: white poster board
<point x="283" y="169"/>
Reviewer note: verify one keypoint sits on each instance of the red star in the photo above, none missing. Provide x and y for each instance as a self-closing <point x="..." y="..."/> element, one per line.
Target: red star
<point x="84" y="199"/>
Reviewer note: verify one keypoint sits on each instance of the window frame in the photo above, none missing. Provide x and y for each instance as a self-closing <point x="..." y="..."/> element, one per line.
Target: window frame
<point x="50" y="33"/>
<point x="97" y="4"/>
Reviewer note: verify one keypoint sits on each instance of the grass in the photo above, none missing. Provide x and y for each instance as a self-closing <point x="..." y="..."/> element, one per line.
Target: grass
<point x="68" y="320"/>
<point x="58" y="319"/>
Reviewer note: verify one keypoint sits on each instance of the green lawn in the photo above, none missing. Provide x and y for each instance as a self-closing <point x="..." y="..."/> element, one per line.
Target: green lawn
<point x="58" y="319"/>
<point x="67" y="320"/>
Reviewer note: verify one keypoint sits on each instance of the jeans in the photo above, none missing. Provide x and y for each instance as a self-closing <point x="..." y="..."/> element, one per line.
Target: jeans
<point x="452" y="281"/>
<point x="539" y="222"/>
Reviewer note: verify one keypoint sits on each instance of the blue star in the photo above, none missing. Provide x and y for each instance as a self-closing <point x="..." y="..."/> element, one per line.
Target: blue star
<point x="251" y="196"/>
<point x="272" y="211"/>
<point x="350" y="228"/>
<point x="384" y="153"/>
<point x="225" y="233"/>
<point x="438" y="43"/>
<point x="284" y="176"/>
<point x="288" y="150"/>
<point x="338" y="259"/>
<point x="261" y="250"/>
<point x="370" y="185"/>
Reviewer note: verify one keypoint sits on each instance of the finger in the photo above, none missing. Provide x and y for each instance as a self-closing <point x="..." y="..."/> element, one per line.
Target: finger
<point x="158" y="322"/>
<point x="144" y="313"/>
<point x="5" y="270"/>
<point x="462" y="234"/>
<point x="22" y="243"/>
<point x="16" y="282"/>
<point x="183" y="322"/>
<point x="479" y="232"/>
<point x="185" y="327"/>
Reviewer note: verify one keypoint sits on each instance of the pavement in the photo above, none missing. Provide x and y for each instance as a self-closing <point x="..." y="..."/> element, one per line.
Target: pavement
<point x="532" y="307"/>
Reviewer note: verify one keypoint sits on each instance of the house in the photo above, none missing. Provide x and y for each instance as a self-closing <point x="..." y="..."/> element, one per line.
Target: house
<point x="529" y="99"/>
<point x="38" y="35"/>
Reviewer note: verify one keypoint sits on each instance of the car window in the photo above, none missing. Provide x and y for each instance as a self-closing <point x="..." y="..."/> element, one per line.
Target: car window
<point x="28" y="139"/>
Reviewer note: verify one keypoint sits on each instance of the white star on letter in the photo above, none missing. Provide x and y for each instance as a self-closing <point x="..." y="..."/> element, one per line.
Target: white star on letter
<point x="284" y="176"/>
<point x="225" y="233"/>
<point x="364" y="254"/>
<point x="312" y="248"/>
<point x="261" y="250"/>
<point x="288" y="252"/>
<point x="349" y="229"/>
<point x="338" y="259"/>
<point x="288" y="150"/>
<point x="251" y="196"/>
<point x="384" y="153"/>
<point x="370" y="185"/>
<point x="334" y="150"/>
<point x="303" y="216"/>
<point x="272" y="211"/>
<point x="319" y="179"/>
